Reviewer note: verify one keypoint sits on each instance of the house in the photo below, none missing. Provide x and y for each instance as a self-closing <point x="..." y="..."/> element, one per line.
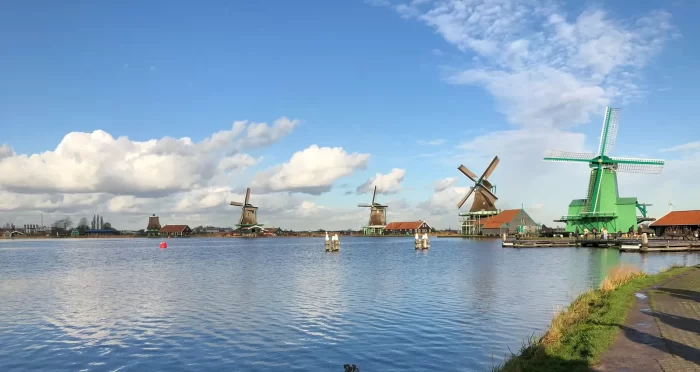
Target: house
<point x="407" y="228"/>
<point x="273" y="231"/>
<point x="677" y="223"/>
<point x="509" y="221"/>
<point x="175" y="230"/>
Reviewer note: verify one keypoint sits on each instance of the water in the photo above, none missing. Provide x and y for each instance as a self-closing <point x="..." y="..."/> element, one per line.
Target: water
<point x="284" y="304"/>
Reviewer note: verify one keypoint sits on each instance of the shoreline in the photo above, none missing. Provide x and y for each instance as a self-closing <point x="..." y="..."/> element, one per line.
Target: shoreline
<point x="212" y="236"/>
<point x="579" y="336"/>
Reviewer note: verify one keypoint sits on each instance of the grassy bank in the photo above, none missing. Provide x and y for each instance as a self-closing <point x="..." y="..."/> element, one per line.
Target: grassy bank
<point x="580" y="334"/>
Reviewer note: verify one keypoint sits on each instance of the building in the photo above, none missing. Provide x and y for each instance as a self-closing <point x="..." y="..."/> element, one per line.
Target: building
<point x="407" y="228"/>
<point x="175" y="230"/>
<point x="153" y="227"/>
<point x="509" y="221"/>
<point x="677" y="223"/>
<point x="273" y="231"/>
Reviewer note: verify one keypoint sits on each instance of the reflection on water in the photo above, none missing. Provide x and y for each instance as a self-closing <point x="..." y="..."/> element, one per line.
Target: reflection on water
<point x="284" y="304"/>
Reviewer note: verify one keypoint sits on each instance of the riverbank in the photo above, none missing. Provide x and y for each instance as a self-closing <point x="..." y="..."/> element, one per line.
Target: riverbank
<point x="580" y="335"/>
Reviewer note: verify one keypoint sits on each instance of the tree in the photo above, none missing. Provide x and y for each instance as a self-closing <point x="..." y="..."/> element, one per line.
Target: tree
<point x="94" y="221"/>
<point x="107" y="226"/>
<point x="83" y="225"/>
<point x="102" y="224"/>
<point x="63" y="224"/>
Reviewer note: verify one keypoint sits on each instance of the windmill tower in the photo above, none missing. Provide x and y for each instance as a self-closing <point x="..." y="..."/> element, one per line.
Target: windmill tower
<point x="603" y="207"/>
<point x="484" y="203"/>
<point x="377" y="216"/>
<point x="249" y="215"/>
<point x="153" y="227"/>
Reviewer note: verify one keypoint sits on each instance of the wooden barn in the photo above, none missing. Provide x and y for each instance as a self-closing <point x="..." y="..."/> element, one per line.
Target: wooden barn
<point x="404" y="228"/>
<point x="510" y="221"/>
<point x="175" y="230"/>
<point x="678" y="223"/>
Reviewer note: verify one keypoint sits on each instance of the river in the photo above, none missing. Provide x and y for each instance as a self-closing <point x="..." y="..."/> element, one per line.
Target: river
<point x="283" y="304"/>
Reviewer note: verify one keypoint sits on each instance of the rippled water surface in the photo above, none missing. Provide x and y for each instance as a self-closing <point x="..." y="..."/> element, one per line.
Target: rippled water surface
<point x="283" y="304"/>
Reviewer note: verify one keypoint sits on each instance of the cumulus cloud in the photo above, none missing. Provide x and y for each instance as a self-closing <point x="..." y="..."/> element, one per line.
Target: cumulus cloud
<point x="312" y="170"/>
<point x="389" y="183"/>
<point x="97" y="162"/>
<point x="444" y="183"/>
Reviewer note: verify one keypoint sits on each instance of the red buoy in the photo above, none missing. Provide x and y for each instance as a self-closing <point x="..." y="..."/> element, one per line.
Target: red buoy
<point x="163" y="245"/>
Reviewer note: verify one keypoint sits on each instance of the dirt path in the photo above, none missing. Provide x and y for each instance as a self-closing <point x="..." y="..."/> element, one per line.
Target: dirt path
<point x="662" y="330"/>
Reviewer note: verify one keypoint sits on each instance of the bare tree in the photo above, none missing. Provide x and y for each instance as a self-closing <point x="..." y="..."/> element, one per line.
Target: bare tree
<point x="63" y="224"/>
<point x="83" y="225"/>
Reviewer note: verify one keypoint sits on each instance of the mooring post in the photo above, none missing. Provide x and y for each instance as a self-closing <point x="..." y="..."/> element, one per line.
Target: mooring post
<point x="645" y="240"/>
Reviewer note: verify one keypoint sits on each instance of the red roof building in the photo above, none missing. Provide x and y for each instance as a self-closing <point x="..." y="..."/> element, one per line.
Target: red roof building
<point x="175" y="230"/>
<point x="677" y="222"/>
<point x="507" y="222"/>
<point x="411" y="227"/>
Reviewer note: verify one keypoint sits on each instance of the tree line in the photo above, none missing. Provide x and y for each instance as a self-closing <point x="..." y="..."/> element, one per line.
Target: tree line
<point x="66" y="224"/>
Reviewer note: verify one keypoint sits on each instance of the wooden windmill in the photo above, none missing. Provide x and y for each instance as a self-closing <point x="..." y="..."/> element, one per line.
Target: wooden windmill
<point x="484" y="203"/>
<point x="249" y="213"/>
<point x="377" y="216"/>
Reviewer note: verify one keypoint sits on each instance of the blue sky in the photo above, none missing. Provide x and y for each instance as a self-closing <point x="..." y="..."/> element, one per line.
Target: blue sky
<point x="357" y="75"/>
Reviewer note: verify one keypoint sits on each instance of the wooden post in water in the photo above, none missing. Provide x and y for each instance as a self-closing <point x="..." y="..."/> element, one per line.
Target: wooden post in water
<point x="328" y="243"/>
<point x="645" y="240"/>
<point x="336" y="243"/>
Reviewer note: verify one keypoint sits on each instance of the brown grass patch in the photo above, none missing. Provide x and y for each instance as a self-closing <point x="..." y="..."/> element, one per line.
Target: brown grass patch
<point x="619" y="276"/>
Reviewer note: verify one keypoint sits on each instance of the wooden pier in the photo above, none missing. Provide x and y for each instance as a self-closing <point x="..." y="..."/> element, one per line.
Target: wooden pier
<point x="624" y="245"/>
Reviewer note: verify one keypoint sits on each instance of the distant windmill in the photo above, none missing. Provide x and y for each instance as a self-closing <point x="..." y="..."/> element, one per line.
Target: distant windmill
<point x="249" y="213"/>
<point x="377" y="215"/>
<point x="484" y="192"/>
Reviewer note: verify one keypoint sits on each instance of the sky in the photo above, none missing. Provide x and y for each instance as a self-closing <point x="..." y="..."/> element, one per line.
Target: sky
<point x="130" y="108"/>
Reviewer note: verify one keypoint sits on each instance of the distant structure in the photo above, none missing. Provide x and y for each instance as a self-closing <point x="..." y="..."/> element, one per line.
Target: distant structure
<point x="509" y="221"/>
<point x="603" y="207"/>
<point x="175" y="230"/>
<point x="377" y="216"/>
<point x="153" y="228"/>
<point x="248" y="223"/>
<point x="484" y="204"/>
<point x="407" y="228"/>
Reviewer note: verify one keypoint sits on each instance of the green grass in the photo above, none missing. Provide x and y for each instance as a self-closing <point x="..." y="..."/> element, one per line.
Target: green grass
<point x="579" y="335"/>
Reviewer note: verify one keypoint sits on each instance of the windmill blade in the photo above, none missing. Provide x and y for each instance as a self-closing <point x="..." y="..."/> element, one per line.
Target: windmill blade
<point x="461" y="202"/>
<point x="608" y="134"/>
<point x="489" y="195"/>
<point x="490" y="168"/>
<point x="556" y="155"/>
<point x="237" y="204"/>
<point x="467" y="173"/>
<point x="374" y="194"/>
<point x="364" y="205"/>
<point x="595" y="192"/>
<point x="634" y="165"/>
<point x="247" y="195"/>
<point x="486" y="184"/>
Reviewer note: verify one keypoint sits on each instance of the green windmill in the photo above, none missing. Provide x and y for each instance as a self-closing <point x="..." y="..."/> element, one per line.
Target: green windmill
<point x="603" y="207"/>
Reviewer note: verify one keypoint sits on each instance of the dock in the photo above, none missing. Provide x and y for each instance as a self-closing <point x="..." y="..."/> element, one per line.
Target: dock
<point x="624" y="245"/>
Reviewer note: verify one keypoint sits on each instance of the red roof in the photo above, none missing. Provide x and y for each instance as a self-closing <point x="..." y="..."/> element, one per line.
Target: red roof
<point x="679" y="218"/>
<point x="404" y="225"/>
<point x="496" y="221"/>
<point x="170" y="229"/>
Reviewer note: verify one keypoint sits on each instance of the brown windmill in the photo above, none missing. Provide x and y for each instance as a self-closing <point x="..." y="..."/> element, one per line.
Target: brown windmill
<point x="249" y="213"/>
<point x="377" y="216"/>
<point x="484" y="192"/>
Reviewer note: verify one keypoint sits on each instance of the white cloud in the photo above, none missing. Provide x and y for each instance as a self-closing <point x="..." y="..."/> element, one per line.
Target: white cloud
<point x="543" y="68"/>
<point x="97" y="162"/>
<point x="445" y="183"/>
<point x="434" y="142"/>
<point x="312" y="170"/>
<point x="389" y="183"/>
<point x="690" y="146"/>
